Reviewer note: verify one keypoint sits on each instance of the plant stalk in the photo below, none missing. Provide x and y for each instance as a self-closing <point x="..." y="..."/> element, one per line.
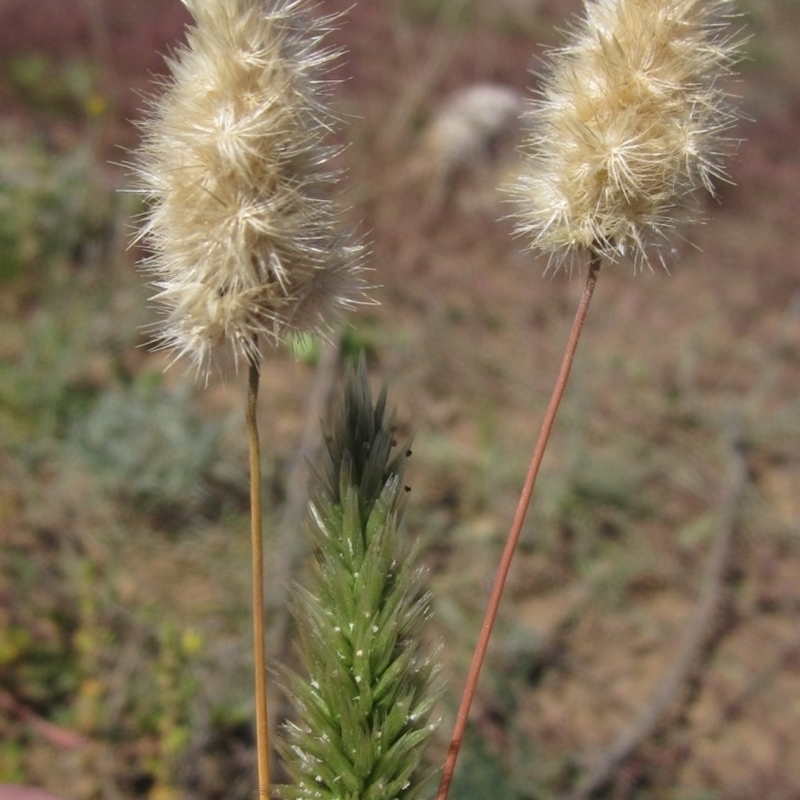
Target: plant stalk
<point x="516" y="528"/>
<point x="257" y="545"/>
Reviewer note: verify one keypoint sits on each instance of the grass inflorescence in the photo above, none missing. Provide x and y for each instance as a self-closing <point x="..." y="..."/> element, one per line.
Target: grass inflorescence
<point x="364" y="706"/>
<point x="630" y="122"/>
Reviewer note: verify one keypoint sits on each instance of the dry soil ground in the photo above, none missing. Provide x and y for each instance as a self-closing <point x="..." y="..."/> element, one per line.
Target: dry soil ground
<point x="125" y="671"/>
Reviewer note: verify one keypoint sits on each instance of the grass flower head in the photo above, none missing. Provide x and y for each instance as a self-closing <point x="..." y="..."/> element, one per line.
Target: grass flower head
<point x="244" y="237"/>
<point x="364" y="709"/>
<point x="630" y="121"/>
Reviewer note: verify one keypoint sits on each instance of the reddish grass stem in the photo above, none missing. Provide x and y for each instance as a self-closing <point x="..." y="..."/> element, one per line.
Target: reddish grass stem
<point x="516" y="528"/>
<point x="256" y="539"/>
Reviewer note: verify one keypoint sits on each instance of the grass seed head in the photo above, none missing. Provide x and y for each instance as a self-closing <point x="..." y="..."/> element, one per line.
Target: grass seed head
<point x="365" y="702"/>
<point x="244" y="238"/>
<point x="630" y="121"/>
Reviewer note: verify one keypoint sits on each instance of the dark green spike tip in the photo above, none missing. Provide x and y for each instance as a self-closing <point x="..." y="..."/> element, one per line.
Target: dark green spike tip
<point x="362" y="450"/>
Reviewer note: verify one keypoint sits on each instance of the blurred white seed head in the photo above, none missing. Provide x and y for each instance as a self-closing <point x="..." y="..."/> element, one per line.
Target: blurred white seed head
<point x="631" y="120"/>
<point x="466" y="126"/>
<point x="243" y="234"/>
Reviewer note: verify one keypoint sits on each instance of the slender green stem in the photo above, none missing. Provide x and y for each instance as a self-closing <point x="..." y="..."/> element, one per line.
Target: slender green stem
<point x="516" y="529"/>
<point x="256" y="538"/>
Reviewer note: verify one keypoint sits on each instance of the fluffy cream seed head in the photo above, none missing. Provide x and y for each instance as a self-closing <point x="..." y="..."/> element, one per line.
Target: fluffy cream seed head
<point x="629" y="123"/>
<point x="244" y="238"/>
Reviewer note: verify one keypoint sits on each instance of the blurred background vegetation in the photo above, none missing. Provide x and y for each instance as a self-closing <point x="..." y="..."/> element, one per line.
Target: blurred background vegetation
<point x="124" y="627"/>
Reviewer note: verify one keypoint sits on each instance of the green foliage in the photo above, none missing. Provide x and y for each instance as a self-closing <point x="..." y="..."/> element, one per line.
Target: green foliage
<point x="481" y="774"/>
<point x="69" y="89"/>
<point x="65" y="386"/>
<point x="177" y="684"/>
<point x="362" y="339"/>
<point x="364" y="709"/>
<point x="62" y="335"/>
<point x="456" y="15"/>
<point x="52" y="207"/>
<point x="352" y="342"/>
<point x="11" y="757"/>
<point x="97" y="667"/>
<point x="44" y="386"/>
<point x="304" y="347"/>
